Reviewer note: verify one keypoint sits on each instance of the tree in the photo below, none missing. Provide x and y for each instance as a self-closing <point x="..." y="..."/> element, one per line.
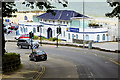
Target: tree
<point x="116" y="10"/>
<point x="7" y="10"/>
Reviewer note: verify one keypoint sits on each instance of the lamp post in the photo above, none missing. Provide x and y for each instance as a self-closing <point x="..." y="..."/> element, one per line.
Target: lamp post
<point x="40" y="35"/>
<point x="83" y="26"/>
<point x="58" y="33"/>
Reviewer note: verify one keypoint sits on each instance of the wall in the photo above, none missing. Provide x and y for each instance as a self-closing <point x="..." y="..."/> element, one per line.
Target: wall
<point x="92" y="33"/>
<point x="20" y="16"/>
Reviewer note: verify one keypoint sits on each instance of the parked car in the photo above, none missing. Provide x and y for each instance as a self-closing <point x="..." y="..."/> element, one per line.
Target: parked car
<point x="24" y="36"/>
<point x="38" y="55"/>
<point x="26" y="42"/>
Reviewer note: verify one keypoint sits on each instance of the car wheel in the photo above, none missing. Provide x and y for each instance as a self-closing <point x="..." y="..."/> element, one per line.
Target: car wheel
<point x="29" y="47"/>
<point x="35" y="59"/>
<point x="45" y="58"/>
<point x="30" y="59"/>
<point x="21" y="47"/>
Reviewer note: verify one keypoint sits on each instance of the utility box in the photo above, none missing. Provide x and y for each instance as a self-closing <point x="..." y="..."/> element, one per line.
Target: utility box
<point x="90" y="45"/>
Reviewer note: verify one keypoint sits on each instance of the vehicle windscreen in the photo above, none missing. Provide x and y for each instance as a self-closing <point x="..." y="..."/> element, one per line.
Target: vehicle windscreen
<point x="29" y="40"/>
<point x="41" y="52"/>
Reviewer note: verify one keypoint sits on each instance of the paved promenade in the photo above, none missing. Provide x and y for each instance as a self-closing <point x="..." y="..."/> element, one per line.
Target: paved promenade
<point x="112" y="46"/>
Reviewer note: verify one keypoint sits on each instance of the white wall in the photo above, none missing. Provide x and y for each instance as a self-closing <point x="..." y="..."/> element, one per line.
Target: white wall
<point x="92" y="36"/>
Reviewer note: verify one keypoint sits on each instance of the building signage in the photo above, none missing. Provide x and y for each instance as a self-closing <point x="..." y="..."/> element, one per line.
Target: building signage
<point x="74" y="29"/>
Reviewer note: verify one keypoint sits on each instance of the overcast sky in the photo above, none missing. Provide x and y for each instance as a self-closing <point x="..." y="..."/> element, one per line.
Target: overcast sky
<point x="87" y="0"/>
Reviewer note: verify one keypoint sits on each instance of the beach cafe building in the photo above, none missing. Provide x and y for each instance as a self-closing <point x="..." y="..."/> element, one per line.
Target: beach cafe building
<point x="71" y="24"/>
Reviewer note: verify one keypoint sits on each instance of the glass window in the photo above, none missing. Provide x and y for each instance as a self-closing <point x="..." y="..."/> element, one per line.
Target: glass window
<point x="86" y="37"/>
<point x="54" y="32"/>
<point x="67" y="22"/>
<point x="64" y="33"/>
<point x="68" y="35"/>
<point x="98" y="37"/>
<point x="72" y="36"/>
<point x="76" y="36"/>
<point x="64" y="22"/>
<point x="25" y="17"/>
<point x="26" y="29"/>
<point x="21" y="29"/>
<point x="34" y="30"/>
<point x="41" y="30"/>
<point x="53" y="21"/>
<point x="103" y="37"/>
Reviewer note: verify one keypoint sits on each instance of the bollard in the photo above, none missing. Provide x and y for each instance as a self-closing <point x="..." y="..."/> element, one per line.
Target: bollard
<point x="90" y="45"/>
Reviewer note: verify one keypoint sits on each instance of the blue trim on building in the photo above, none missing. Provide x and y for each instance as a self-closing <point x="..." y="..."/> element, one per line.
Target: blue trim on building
<point x="52" y="24"/>
<point x="90" y="32"/>
<point x="28" y="25"/>
<point x="74" y="29"/>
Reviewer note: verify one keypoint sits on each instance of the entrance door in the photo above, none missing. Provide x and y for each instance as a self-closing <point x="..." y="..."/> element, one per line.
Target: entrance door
<point x="49" y="33"/>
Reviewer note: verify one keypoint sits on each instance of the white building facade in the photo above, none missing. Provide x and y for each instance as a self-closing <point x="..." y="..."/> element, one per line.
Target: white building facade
<point x="71" y="24"/>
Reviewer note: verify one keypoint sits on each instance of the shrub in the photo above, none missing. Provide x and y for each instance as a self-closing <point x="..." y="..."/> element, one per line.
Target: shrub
<point x="52" y="39"/>
<point x="43" y="38"/>
<point x="36" y="37"/>
<point x="59" y="40"/>
<point x="10" y="62"/>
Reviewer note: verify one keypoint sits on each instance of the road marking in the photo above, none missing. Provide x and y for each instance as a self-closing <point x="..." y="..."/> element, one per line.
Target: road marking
<point x="116" y="62"/>
<point x="110" y="59"/>
<point x="95" y="54"/>
<point x="91" y="73"/>
<point x="39" y="74"/>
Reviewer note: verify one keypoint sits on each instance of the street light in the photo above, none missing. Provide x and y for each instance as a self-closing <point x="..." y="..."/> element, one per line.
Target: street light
<point x="40" y="35"/>
<point x="83" y="26"/>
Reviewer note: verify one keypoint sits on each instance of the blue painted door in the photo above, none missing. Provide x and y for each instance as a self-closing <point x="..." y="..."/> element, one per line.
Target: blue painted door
<point x="49" y="33"/>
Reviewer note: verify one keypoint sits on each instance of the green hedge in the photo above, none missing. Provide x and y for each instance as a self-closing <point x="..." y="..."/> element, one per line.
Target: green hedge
<point x="43" y="38"/>
<point x="54" y="39"/>
<point x="10" y="62"/>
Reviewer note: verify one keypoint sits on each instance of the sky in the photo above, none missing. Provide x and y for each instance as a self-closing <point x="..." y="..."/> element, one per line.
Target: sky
<point x="87" y="0"/>
<point x="74" y="0"/>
